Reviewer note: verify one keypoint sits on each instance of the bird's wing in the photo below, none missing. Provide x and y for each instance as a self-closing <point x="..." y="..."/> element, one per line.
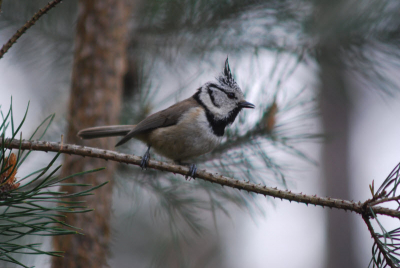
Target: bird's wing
<point x="164" y="118"/>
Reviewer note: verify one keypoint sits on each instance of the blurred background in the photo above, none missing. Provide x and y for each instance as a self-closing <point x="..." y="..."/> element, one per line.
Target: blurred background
<point x="322" y="74"/>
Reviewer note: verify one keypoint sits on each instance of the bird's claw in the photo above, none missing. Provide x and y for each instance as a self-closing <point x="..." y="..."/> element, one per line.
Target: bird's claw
<point x="192" y="171"/>
<point x="145" y="159"/>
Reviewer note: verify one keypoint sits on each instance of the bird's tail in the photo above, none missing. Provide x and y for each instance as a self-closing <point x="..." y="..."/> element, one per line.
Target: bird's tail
<point x="107" y="131"/>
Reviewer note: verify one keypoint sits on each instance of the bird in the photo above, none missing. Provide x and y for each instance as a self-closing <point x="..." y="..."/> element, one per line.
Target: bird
<point x="187" y="129"/>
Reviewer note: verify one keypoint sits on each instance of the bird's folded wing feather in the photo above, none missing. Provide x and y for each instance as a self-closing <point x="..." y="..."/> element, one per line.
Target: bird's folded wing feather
<point x="164" y="118"/>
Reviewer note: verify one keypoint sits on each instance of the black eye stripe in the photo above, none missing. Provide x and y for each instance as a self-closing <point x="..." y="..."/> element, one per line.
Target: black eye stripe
<point x="212" y="98"/>
<point x="217" y="87"/>
<point x="221" y="89"/>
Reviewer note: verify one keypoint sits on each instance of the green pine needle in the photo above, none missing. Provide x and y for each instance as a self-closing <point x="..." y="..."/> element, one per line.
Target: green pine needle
<point x="32" y="206"/>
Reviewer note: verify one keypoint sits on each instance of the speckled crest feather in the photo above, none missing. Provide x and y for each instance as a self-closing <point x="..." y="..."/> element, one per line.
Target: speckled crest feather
<point x="227" y="78"/>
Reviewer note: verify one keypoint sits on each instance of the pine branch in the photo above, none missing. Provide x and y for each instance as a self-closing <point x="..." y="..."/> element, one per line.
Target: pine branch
<point x="45" y="146"/>
<point x="26" y="26"/>
<point x="378" y="242"/>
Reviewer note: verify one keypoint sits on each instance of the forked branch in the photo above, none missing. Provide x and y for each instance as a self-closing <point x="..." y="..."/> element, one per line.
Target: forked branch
<point x="378" y="243"/>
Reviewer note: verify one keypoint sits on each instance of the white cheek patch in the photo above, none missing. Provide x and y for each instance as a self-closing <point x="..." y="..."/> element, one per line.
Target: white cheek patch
<point x="205" y="97"/>
<point x="219" y="113"/>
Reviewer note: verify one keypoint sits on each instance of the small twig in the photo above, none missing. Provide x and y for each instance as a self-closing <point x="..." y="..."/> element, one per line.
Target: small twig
<point x="26" y="26"/>
<point x="378" y="242"/>
<point x="200" y="174"/>
<point x="237" y="141"/>
<point x="384" y="200"/>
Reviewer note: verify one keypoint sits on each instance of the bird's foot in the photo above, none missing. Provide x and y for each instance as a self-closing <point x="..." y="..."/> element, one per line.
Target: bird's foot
<point x="145" y="159"/>
<point x="192" y="172"/>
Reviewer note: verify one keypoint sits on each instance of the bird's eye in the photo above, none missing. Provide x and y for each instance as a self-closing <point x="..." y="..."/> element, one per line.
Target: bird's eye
<point x="231" y="95"/>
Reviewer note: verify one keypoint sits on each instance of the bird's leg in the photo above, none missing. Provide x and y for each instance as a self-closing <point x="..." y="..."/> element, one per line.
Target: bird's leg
<point x="192" y="171"/>
<point x="145" y="159"/>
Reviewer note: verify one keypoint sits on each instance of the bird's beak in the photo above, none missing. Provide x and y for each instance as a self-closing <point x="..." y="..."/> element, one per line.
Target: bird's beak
<point x="245" y="104"/>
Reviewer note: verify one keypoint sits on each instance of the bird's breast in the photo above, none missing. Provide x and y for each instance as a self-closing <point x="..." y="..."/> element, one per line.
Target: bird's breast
<point x="192" y="136"/>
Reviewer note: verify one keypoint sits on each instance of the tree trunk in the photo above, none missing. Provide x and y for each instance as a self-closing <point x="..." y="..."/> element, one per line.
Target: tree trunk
<point x="97" y="81"/>
<point x="335" y="111"/>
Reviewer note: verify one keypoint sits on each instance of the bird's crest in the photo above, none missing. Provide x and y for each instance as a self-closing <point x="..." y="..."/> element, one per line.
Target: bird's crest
<point x="227" y="78"/>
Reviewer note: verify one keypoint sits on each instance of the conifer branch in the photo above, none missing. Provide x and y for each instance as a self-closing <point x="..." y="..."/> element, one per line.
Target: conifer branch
<point x="26" y="26"/>
<point x="378" y="243"/>
<point x="360" y="208"/>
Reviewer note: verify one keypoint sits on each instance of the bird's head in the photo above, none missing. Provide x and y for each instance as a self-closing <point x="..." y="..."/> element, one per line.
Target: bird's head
<point x="224" y="99"/>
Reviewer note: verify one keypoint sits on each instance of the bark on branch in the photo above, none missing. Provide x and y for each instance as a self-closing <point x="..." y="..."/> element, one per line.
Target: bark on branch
<point x="200" y="174"/>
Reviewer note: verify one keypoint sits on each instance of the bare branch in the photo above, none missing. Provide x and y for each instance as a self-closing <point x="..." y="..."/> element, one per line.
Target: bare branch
<point x="200" y="174"/>
<point x="26" y="26"/>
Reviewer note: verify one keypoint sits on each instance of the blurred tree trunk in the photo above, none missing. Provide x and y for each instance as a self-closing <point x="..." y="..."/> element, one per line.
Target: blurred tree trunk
<point x="97" y="82"/>
<point x="335" y="111"/>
